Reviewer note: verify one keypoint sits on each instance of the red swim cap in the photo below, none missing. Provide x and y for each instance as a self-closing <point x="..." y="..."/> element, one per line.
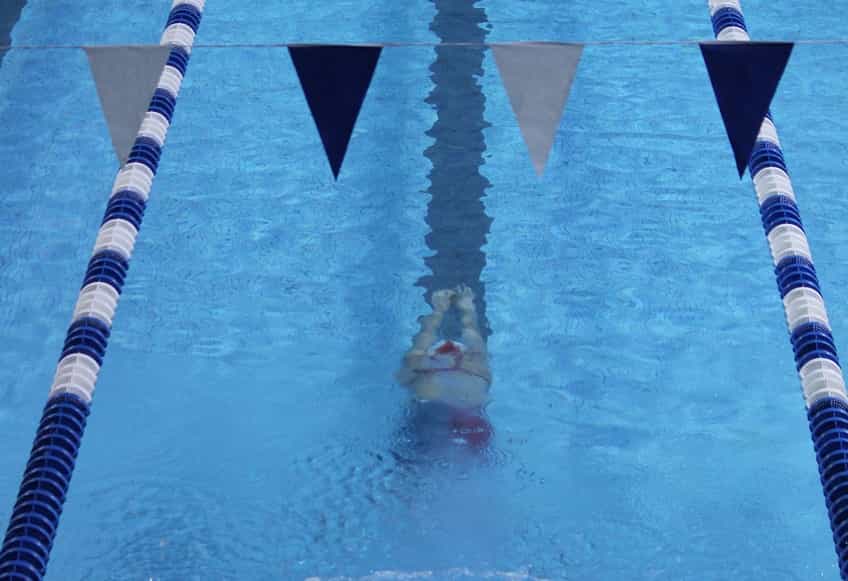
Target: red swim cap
<point x="448" y="347"/>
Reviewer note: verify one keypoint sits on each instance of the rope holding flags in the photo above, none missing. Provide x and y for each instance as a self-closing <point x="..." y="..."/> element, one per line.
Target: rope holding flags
<point x="537" y="77"/>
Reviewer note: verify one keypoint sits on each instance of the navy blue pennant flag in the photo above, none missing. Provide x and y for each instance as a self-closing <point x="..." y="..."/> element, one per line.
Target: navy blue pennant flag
<point x="744" y="76"/>
<point x="334" y="80"/>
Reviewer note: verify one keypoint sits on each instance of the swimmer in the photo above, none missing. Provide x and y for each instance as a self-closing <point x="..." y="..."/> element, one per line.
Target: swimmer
<point x="451" y="375"/>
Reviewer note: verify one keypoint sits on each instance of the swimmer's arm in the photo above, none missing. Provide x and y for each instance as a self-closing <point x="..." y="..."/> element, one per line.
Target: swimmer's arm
<point x="471" y="335"/>
<point x="417" y="354"/>
<point x="427" y="335"/>
<point x="476" y="359"/>
<point x="470" y="331"/>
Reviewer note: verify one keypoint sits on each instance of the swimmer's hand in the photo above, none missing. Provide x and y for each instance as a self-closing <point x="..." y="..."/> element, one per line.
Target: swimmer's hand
<point x="442" y="299"/>
<point x="464" y="298"/>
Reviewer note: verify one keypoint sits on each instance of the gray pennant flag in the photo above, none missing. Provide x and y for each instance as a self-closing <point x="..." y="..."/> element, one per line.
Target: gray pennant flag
<point x="126" y="77"/>
<point x="537" y="77"/>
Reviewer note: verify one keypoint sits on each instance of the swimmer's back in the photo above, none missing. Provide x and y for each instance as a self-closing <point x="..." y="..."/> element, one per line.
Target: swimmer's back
<point x="455" y="387"/>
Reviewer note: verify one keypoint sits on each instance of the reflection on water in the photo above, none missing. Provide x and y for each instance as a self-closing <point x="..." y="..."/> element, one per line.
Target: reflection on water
<point x="457" y="574"/>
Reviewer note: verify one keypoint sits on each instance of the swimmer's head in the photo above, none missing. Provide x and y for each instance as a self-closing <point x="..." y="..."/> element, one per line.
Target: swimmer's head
<point x="447" y="347"/>
<point x="445" y="354"/>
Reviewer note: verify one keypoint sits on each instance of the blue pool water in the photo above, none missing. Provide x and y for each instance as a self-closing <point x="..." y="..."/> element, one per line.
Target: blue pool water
<point x="648" y="421"/>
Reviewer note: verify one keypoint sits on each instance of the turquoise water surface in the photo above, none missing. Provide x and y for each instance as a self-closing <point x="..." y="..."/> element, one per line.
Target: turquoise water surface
<point x="648" y="419"/>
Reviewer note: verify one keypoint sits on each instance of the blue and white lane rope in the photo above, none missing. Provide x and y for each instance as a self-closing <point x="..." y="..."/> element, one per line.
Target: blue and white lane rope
<point x="812" y="341"/>
<point x="35" y="517"/>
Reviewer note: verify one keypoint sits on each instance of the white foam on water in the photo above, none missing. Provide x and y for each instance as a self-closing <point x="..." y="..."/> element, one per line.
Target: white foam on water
<point x="451" y="574"/>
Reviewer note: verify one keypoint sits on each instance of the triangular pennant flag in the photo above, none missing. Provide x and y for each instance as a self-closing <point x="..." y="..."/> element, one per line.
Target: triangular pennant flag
<point x="537" y="78"/>
<point x="334" y="80"/>
<point x="744" y="76"/>
<point x="126" y="77"/>
<point x="10" y="12"/>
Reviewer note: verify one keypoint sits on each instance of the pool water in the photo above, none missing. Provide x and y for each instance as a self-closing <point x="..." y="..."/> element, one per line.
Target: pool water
<point x="647" y="418"/>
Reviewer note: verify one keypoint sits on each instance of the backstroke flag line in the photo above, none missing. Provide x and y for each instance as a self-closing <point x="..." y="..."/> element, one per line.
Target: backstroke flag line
<point x="744" y="76"/>
<point x="537" y="78"/>
<point x="334" y="80"/>
<point x="126" y="77"/>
